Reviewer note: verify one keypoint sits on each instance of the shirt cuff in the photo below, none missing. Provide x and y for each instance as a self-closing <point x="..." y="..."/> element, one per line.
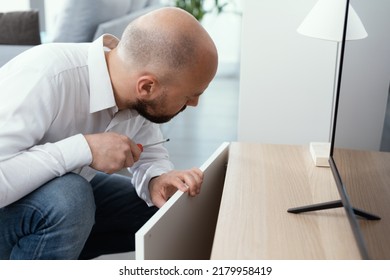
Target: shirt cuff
<point x="75" y="152"/>
<point x="143" y="187"/>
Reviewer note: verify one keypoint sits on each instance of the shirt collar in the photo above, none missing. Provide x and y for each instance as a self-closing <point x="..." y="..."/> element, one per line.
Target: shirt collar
<point x="101" y="92"/>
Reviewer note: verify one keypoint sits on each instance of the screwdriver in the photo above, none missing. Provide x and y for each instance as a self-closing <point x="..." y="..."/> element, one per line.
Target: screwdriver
<point x="152" y="144"/>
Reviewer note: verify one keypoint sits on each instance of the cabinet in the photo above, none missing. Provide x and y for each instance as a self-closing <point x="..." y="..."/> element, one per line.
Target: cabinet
<point x="241" y="212"/>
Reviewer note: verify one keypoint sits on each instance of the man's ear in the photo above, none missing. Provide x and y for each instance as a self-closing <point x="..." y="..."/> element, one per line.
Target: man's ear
<point x="146" y="86"/>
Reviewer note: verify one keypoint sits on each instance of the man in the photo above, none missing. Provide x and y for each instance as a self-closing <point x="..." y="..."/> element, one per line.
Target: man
<point x="71" y="115"/>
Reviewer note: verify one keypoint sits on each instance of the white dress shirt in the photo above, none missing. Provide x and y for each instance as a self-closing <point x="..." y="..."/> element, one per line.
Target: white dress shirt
<point x="52" y="95"/>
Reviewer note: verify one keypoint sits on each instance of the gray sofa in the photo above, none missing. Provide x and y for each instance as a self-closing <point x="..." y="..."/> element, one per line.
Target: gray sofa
<point x="86" y="20"/>
<point x="18" y="31"/>
<point x="7" y="52"/>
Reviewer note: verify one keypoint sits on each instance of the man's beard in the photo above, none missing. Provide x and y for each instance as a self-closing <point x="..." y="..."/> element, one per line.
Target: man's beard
<point x="142" y="108"/>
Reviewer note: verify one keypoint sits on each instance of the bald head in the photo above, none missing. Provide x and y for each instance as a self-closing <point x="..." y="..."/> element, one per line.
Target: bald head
<point x="166" y="40"/>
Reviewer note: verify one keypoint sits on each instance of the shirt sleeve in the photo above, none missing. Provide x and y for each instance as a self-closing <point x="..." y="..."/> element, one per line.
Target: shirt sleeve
<point x="148" y="167"/>
<point x="26" y="112"/>
<point x="154" y="160"/>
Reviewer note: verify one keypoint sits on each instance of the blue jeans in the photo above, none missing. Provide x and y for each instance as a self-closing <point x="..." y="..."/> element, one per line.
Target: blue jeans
<point x="71" y="218"/>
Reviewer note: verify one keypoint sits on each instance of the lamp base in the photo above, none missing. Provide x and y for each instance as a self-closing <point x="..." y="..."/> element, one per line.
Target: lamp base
<point x="320" y="153"/>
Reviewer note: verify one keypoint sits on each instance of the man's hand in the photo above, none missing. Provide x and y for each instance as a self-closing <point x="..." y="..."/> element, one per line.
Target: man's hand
<point x="112" y="151"/>
<point x="161" y="188"/>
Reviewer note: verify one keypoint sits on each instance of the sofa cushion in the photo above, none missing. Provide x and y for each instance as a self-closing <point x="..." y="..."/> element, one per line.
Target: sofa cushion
<point x="136" y="5"/>
<point x="117" y="26"/>
<point x="8" y="52"/>
<point x="78" y="20"/>
<point x="19" y="28"/>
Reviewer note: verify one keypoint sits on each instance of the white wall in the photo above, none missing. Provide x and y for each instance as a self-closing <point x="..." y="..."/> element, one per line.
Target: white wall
<point x="15" y="5"/>
<point x="286" y="78"/>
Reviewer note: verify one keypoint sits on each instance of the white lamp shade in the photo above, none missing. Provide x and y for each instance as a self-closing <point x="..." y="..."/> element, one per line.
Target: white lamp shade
<point x="326" y="21"/>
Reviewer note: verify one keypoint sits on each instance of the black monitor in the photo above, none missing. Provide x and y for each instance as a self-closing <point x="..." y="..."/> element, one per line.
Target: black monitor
<point x="359" y="156"/>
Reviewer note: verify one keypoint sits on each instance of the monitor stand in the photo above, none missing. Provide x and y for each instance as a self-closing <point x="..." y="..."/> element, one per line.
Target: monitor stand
<point x="330" y="205"/>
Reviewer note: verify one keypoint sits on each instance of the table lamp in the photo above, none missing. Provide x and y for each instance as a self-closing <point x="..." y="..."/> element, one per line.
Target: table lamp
<point x="326" y="21"/>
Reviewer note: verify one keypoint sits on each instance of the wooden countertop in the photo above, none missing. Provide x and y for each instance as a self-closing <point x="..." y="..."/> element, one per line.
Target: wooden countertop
<point x="262" y="182"/>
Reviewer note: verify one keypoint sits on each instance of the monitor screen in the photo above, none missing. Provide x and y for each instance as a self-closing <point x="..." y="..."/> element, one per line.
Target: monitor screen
<point x="360" y="146"/>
